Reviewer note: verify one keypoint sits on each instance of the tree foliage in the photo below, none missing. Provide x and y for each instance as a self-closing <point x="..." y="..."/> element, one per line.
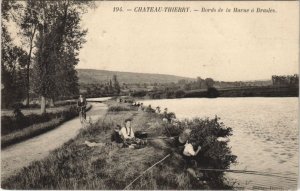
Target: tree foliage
<point x="13" y="59"/>
<point x="52" y="37"/>
<point x="59" y="40"/>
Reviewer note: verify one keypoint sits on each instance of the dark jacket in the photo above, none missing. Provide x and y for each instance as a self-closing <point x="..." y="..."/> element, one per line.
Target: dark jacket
<point x="81" y="103"/>
<point x="115" y="136"/>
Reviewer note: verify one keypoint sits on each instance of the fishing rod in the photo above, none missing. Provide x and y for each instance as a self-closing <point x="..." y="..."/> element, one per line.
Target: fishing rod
<point x="245" y="172"/>
<point x="154" y="138"/>
<point x="146" y="171"/>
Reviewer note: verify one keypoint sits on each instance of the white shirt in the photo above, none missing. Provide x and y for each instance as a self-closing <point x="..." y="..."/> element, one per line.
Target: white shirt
<point x="189" y="150"/>
<point x="127" y="135"/>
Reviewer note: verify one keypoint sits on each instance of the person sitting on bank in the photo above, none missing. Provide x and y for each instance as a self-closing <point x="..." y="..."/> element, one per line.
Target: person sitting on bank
<point x="129" y="138"/>
<point x="157" y="110"/>
<point x="189" y="154"/>
<point x="127" y="135"/>
<point x="189" y="149"/>
<point x="181" y="140"/>
<point x="141" y="107"/>
<point x="126" y="131"/>
<point x="165" y="111"/>
<point x="115" y="136"/>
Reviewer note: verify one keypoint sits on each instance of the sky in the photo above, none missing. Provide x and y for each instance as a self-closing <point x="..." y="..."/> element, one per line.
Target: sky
<point x="223" y="46"/>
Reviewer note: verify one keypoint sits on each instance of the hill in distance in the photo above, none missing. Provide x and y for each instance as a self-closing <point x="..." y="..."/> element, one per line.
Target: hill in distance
<point x="92" y="76"/>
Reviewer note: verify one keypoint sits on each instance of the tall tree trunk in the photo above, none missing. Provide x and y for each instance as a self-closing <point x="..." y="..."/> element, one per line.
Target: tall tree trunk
<point x="28" y="65"/>
<point x="43" y="104"/>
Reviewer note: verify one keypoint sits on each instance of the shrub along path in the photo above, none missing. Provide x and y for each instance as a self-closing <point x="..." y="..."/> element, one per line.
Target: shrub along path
<point x="17" y="156"/>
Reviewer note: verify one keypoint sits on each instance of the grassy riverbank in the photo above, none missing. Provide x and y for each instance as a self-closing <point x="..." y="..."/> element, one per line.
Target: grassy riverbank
<point x="21" y="127"/>
<point x="77" y="166"/>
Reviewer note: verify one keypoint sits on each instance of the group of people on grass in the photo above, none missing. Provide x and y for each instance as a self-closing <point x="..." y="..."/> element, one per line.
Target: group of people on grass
<point x="189" y="150"/>
<point x="125" y="135"/>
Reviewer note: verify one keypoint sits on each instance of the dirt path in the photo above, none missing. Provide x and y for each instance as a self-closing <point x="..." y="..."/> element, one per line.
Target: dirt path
<point x="20" y="155"/>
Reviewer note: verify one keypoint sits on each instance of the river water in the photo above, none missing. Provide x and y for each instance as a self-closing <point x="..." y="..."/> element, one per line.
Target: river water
<point x="265" y="135"/>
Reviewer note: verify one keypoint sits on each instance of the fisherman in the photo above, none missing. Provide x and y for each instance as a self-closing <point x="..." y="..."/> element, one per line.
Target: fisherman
<point x="165" y="120"/>
<point x="175" y="122"/>
<point x="189" y="151"/>
<point x="182" y="139"/>
<point x="149" y="109"/>
<point x="189" y="155"/>
<point x="165" y="111"/>
<point x="127" y="132"/>
<point x="115" y="136"/>
<point x="127" y="135"/>
<point x="141" y="107"/>
<point x="157" y="110"/>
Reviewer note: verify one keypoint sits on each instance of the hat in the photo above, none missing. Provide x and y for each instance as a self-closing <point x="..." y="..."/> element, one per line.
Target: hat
<point x="128" y="119"/>
<point x="187" y="131"/>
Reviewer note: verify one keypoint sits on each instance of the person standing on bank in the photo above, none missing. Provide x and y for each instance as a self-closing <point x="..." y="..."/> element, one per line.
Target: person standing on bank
<point x="81" y="104"/>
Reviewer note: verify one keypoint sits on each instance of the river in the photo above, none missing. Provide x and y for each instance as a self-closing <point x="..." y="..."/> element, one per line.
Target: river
<point x="265" y="135"/>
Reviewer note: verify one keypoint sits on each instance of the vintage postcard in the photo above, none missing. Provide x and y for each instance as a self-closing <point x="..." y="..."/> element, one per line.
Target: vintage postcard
<point x="149" y="95"/>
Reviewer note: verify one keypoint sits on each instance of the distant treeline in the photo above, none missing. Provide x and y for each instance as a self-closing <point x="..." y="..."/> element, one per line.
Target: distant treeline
<point x="110" y="88"/>
<point x="289" y="80"/>
<point x="283" y="86"/>
<point x="266" y="91"/>
<point x="286" y="87"/>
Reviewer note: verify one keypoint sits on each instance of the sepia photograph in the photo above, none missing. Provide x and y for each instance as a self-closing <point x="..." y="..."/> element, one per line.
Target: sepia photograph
<point x="149" y="95"/>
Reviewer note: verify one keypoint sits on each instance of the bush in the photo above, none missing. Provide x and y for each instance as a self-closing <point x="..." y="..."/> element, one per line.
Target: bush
<point x="29" y="132"/>
<point x="156" y="95"/>
<point x="118" y="108"/>
<point x="14" y="129"/>
<point x="205" y="132"/>
<point x="169" y="116"/>
<point x="169" y="94"/>
<point x="19" y="121"/>
<point x="139" y="94"/>
<point x="179" y="94"/>
<point x="212" y="92"/>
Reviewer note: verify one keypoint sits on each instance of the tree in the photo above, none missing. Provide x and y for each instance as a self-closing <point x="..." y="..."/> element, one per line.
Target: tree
<point x="209" y="82"/>
<point x="29" y="23"/>
<point x="116" y="84"/>
<point x="187" y="86"/>
<point x="12" y="59"/>
<point x="58" y="41"/>
<point x="199" y="82"/>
